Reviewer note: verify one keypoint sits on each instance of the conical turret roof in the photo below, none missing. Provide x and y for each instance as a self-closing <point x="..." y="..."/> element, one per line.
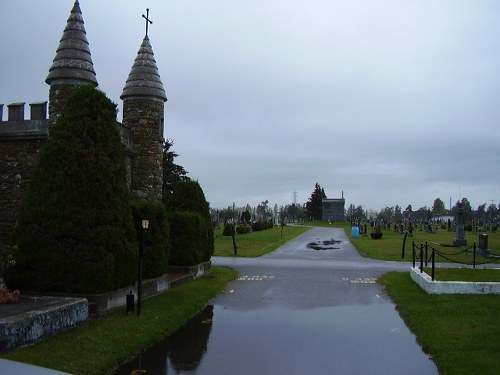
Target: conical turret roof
<point x="144" y="79"/>
<point x="73" y="61"/>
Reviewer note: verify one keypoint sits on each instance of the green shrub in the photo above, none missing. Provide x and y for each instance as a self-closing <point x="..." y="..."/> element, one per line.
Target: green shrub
<point x="156" y="237"/>
<point x="188" y="196"/>
<point x="74" y="231"/>
<point x="242" y="229"/>
<point x="228" y="229"/>
<point x="257" y="226"/>
<point x="262" y="225"/>
<point x="187" y="234"/>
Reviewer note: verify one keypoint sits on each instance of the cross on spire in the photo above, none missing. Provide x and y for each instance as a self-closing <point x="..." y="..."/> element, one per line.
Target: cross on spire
<point x="148" y="21"/>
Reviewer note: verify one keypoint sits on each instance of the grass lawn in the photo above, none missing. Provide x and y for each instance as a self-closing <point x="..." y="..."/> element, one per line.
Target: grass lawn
<point x="390" y="246"/>
<point x="100" y="345"/>
<point x="256" y="243"/>
<point x="464" y="274"/>
<point x="460" y="332"/>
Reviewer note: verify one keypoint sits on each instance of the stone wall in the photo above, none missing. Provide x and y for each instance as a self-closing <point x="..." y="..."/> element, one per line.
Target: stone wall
<point x="33" y="318"/>
<point x="452" y="287"/>
<point x="20" y="142"/>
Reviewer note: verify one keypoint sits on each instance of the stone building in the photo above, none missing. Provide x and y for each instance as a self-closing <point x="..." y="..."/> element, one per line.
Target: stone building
<point x="333" y="209"/>
<point x="141" y="131"/>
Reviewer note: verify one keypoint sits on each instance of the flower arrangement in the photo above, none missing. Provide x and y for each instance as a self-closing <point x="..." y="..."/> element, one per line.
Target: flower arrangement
<point x="9" y="297"/>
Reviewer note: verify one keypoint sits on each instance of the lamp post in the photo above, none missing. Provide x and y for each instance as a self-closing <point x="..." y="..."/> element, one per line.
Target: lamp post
<point x="144" y="226"/>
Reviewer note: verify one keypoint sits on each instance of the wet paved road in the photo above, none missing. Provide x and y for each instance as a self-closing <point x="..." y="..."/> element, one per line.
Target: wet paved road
<point x="301" y="311"/>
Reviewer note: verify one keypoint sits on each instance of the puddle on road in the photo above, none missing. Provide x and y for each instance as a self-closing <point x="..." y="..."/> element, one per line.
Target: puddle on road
<point x="341" y="340"/>
<point x="323" y="244"/>
<point x="182" y="351"/>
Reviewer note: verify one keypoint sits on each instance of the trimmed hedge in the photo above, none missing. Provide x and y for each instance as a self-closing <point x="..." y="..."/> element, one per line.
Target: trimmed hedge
<point x="187" y="236"/>
<point x="156" y="237"/>
<point x="228" y="229"/>
<point x="243" y="229"/>
<point x="262" y="225"/>
<point x="188" y="196"/>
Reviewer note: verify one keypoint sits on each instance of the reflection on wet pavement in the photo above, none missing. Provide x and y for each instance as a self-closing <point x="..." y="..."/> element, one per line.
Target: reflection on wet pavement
<point x="282" y="341"/>
<point x="323" y="244"/>
<point x="182" y="351"/>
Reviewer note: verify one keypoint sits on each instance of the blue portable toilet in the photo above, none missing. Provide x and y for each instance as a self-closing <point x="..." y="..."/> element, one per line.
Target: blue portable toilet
<point x="355" y="232"/>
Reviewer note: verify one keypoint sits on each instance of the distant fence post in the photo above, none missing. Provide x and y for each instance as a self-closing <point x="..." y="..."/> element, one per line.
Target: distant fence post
<point x="474" y="256"/>
<point x="433" y="262"/>
<point x="426" y="252"/>
<point x="413" y="252"/>
<point x="404" y="246"/>
<point x="421" y="258"/>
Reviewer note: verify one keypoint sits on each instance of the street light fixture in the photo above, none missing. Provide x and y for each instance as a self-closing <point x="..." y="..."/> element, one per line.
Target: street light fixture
<point x="144" y="226"/>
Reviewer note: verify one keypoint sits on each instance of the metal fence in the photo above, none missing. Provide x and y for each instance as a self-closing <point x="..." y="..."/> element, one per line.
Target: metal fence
<point x="425" y="253"/>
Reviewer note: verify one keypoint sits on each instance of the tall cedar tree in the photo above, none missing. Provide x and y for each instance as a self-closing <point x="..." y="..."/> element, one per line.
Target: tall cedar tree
<point x="314" y="206"/>
<point x="75" y="231"/>
<point x="172" y="173"/>
<point x="188" y="196"/>
<point x="156" y="237"/>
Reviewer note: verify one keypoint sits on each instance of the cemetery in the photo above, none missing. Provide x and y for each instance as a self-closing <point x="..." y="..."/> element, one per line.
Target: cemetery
<point x="92" y="239"/>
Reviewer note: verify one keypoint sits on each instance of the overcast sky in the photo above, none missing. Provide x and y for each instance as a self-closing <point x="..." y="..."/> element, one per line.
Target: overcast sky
<point x="390" y="101"/>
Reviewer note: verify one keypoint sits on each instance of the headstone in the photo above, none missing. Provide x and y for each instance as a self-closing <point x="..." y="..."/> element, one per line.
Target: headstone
<point x="460" y="239"/>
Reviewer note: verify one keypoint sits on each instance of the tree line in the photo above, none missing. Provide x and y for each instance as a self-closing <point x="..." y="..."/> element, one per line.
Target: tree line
<point x="312" y="210"/>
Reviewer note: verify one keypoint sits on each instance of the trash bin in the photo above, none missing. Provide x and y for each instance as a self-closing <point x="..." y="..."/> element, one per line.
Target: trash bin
<point x="483" y="242"/>
<point x="130" y="302"/>
<point x="355" y="232"/>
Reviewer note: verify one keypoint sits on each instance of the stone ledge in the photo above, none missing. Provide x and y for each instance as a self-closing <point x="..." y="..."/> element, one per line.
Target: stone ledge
<point x="35" y="317"/>
<point x="24" y="129"/>
<point x="452" y="287"/>
<point x="175" y="276"/>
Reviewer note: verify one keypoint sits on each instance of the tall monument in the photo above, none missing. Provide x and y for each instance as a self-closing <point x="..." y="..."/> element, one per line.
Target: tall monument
<point x="460" y="240"/>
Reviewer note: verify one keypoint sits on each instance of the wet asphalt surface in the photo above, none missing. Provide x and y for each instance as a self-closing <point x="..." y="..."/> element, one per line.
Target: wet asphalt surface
<point x="311" y="307"/>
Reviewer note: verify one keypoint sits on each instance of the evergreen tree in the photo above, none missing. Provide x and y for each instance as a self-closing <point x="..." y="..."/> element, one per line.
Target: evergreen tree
<point x="75" y="231"/>
<point x="188" y="196"/>
<point x="314" y="206"/>
<point x="438" y="207"/>
<point x="246" y="217"/>
<point x="156" y="237"/>
<point x="172" y="173"/>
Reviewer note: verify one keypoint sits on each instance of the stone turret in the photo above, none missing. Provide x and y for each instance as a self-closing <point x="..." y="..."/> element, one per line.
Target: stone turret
<point x="72" y="67"/>
<point x="143" y="112"/>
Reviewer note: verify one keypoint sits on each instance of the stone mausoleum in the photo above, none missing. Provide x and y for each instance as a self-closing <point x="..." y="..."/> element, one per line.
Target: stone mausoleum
<point x="333" y="209"/>
<point x="141" y="131"/>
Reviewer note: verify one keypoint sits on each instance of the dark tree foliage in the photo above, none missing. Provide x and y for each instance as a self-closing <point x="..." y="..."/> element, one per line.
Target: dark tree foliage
<point x="438" y="207"/>
<point x="172" y="173"/>
<point x="156" y="237"/>
<point x="75" y="231"/>
<point x="314" y="206"/>
<point x="228" y="230"/>
<point x="188" y="196"/>
<point x="246" y="216"/>
<point x="187" y="237"/>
